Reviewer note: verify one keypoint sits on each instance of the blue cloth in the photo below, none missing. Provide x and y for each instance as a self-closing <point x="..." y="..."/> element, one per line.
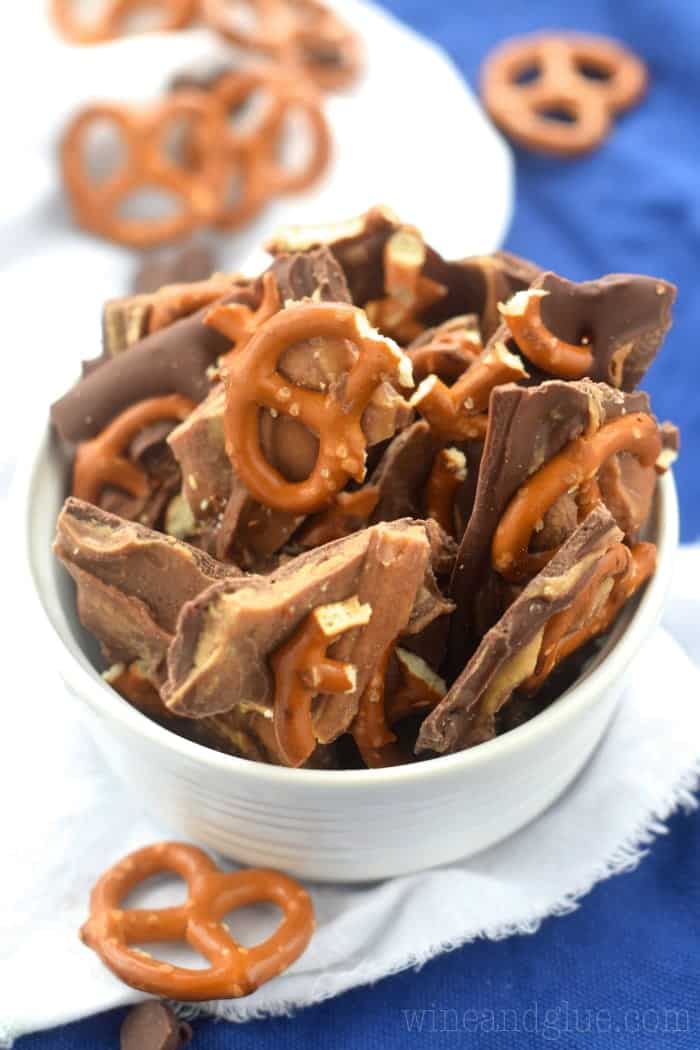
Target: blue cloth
<point x="622" y="971"/>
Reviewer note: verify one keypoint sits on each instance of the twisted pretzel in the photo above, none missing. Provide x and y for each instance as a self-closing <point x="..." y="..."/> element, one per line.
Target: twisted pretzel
<point x="173" y="301"/>
<point x="100" y="461"/>
<point x="146" y="166"/>
<point x="294" y="32"/>
<point x="587" y="79"/>
<point x="623" y="571"/>
<point x="420" y="689"/>
<point x="235" y="970"/>
<point x="238" y="322"/>
<point x="408" y="294"/>
<point x="348" y="512"/>
<point x="458" y="413"/>
<point x="576" y="464"/>
<point x="110" y="22"/>
<point x="448" y="350"/>
<point x="449" y="471"/>
<point x="335" y="415"/>
<point x="302" y="670"/>
<point x="523" y="315"/>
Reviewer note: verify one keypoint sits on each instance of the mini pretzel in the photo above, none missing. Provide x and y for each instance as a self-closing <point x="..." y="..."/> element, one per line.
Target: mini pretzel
<point x="454" y="346"/>
<point x="420" y="689"/>
<point x="348" y="512"/>
<point x="448" y="473"/>
<point x="624" y="571"/>
<point x="293" y="32"/>
<point x="408" y="294"/>
<point x="199" y="189"/>
<point x="302" y="670"/>
<point x="577" y="463"/>
<point x="335" y="416"/>
<point x="101" y="461"/>
<point x="238" y="322"/>
<point x="234" y="970"/>
<point x="523" y="315"/>
<point x="458" y="413"/>
<point x="527" y="110"/>
<point x="174" y="301"/>
<point x="175" y="14"/>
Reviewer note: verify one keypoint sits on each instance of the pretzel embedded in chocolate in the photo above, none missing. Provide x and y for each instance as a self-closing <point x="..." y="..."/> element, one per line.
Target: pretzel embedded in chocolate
<point x="110" y="22"/>
<point x="449" y="471"/>
<point x="348" y="512"/>
<point x="296" y="32"/>
<point x="335" y="416"/>
<point x="459" y="412"/>
<point x="198" y="190"/>
<point x="302" y="670"/>
<point x="522" y="313"/>
<point x="234" y="970"/>
<point x="101" y="460"/>
<point x="446" y="351"/>
<point x="239" y="322"/>
<point x="408" y="293"/>
<point x="558" y="92"/>
<point x="577" y="463"/>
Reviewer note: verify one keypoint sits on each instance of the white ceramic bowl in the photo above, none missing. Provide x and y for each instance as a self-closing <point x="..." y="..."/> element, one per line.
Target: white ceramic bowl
<point x="346" y="825"/>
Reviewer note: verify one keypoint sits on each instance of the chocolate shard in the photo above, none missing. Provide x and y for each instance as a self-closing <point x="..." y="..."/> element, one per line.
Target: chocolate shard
<point x="310" y="275"/>
<point x="624" y="318"/>
<point x="172" y="360"/>
<point x="151" y="454"/>
<point x="508" y="652"/>
<point x="527" y="426"/>
<point x="402" y="473"/>
<point x="132" y="581"/>
<point x="181" y="265"/>
<point x="218" y="659"/>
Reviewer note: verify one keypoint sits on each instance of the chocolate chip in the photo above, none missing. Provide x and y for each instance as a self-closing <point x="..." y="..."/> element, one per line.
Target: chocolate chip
<point x="153" y="1026"/>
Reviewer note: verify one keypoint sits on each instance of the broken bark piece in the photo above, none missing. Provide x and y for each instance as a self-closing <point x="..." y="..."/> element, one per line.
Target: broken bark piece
<point x="314" y="275"/>
<point x="226" y="636"/>
<point x="402" y="473"/>
<point x="617" y="323"/>
<point x="528" y="426"/>
<point x="507" y="655"/>
<point x="132" y="582"/>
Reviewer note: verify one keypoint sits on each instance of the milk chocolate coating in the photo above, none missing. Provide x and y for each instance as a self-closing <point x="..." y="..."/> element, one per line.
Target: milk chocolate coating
<point x="625" y="317"/>
<point x="310" y="275"/>
<point x="527" y="426"/>
<point x="182" y="265"/>
<point x="459" y="721"/>
<point x="132" y="581"/>
<point x="219" y="656"/>
<point x="402" y="473"/>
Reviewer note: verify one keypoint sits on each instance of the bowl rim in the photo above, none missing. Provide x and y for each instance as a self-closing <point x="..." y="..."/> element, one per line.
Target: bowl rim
<point x="88" y="686"/>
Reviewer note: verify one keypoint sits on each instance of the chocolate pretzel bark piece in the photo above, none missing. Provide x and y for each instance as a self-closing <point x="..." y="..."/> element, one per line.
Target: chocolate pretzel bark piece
<point x="132" y="581"/>
<point x="150" y="453"/>
<point x="621" y="319"/>
<point x="507" y="654"/>
<point x="402" y="473"/>
<point x="527" y="427"/>
<point x="225" y="637"/>
<point x="314" y="275"/>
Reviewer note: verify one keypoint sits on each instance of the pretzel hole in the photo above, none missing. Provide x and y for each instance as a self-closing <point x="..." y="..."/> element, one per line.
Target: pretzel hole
<point x="289" y="445"/>
<point x="87" y="13"/>
<point x="593" y="70"/>
<point x="241" y="16"/>
<point x="295" y="142"/>
<point x="527" y="74"/>
<point x="148" y="204"/>
<point x="104" y="151"/>
<point x="146" y="18"/>
<point x="179" y="142"/>
<point x="254" y="923"/>
<point x="558" y="114"/>
<point x="247" y="115"/>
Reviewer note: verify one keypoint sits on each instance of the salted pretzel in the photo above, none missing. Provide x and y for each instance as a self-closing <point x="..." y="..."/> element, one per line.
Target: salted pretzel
<point x="239" y="322"/>
<point x="458" y="413"/>
<point x="448" y="472"/>
<point x="234" y="970"/>
<point x="575" y="465"/>
<point x="558" y="92"/>
<point x="348" y="512"/>
<point x="618" y="574"/>
<point x="302" y="670"/>
<point x="451" y="349"/>
<point x="101" y="461"/>
<point x="335" y="415"/>
<point x="420" y="689"/>
<point x="112" y="18"/>
<point x="174" y="301"/>
<point x="523" y="315"/>
<point x="408" y="293"/>
<point x="96" y="203"/>
<point x="294" y="32"/>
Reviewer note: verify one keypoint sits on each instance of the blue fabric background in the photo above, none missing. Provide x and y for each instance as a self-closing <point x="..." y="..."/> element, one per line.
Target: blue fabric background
<point x="622" y="971"/>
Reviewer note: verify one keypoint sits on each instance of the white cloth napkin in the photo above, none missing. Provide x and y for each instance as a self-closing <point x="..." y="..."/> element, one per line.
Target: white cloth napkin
<point x="65" y="818"/>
